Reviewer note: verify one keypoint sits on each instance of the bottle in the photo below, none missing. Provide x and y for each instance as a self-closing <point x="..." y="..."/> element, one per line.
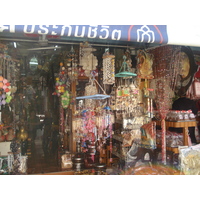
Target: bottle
<point x="191" y="115"/>
<point x="185" y="115"/>
<point x="176" y="116"/>
<point x="180" y="116"/>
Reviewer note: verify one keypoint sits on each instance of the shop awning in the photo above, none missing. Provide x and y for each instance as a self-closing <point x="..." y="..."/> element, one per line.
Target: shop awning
<point x="155" y="34"/>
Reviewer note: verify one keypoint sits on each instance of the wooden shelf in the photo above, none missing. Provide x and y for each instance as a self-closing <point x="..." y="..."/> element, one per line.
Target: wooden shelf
<point x="178" y="124"/>
<point x="172" y="149"/>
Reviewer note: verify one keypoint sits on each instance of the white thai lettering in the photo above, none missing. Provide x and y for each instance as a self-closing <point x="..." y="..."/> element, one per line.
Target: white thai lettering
<point x="82" y="33"/>
<point x="145" y="31"/>
<point x="46" y="30"/>
<point x="26" y="29"/>
<point x="64" y="29"/>
<point x="116" y="33"/>
<point x="104" y="29"/>
<point x="92" y="29"/>
<point x="53" y="32"/>
<point x="12" y="28"/>
<point x="3" y="27"/>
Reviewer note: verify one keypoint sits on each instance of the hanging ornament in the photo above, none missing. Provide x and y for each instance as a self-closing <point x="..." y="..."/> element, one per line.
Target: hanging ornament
<point x="108" y="68"/>
<point x="72" y="63"/>
<point x="65" y="99"/>
<point x="5" y="91"/>
<point x="144" y="64"/>
<point x="125" y="69"/>
<point x="86" y="59"/>
<point x="62" y="82"/>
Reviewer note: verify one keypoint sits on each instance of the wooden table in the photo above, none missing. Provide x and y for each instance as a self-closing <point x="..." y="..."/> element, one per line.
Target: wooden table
<point x="180" y="124"/>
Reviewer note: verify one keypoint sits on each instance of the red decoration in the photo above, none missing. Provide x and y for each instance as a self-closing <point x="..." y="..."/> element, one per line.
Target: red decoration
<point x="7" y="90"/>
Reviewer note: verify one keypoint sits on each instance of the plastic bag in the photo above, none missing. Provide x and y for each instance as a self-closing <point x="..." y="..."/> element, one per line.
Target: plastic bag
<point x="189" y="159"/>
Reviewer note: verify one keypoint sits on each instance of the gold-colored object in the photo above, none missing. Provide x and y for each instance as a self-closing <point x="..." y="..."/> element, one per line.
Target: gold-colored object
<point x="185" y="64"/>
<point x="23" y="135"/>
<point x="144" y="65"/>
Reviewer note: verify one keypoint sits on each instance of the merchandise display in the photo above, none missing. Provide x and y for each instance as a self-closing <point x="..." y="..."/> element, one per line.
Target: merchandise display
<point x="99" y="109"/>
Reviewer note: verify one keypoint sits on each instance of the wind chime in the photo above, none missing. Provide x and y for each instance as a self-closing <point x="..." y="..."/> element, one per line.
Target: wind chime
<point x="127" y="105"/>
<point x="94" y="118"/>
<point x="126" y="92"/>
<point x="108" y="68"/>
<point x="72" y="64"/>
<point x="87" y="60"/>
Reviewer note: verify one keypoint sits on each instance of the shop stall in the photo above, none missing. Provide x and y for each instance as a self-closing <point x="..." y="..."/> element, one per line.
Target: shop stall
<point x="78" y="105"/>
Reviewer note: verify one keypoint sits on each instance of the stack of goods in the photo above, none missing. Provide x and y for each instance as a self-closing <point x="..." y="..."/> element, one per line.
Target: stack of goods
<point x="189" y="158"/>
<point x="173" y="139"/>
<point x="180" y="115"/>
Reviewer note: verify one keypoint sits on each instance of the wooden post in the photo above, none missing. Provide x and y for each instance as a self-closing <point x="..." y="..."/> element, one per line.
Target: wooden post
<point x="72" y="141"/>
<point x="163" y="126"/>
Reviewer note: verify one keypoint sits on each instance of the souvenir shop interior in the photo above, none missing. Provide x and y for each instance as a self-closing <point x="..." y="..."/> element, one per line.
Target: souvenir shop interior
<point x="89" y="107"/>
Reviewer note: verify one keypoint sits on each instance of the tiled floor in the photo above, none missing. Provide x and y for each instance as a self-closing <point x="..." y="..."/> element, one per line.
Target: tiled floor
<point x="42" y="165"/>
<point x="38" y="164"/>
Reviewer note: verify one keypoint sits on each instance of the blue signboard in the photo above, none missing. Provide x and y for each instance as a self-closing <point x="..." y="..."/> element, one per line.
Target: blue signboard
<point x="135" y="33"/>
